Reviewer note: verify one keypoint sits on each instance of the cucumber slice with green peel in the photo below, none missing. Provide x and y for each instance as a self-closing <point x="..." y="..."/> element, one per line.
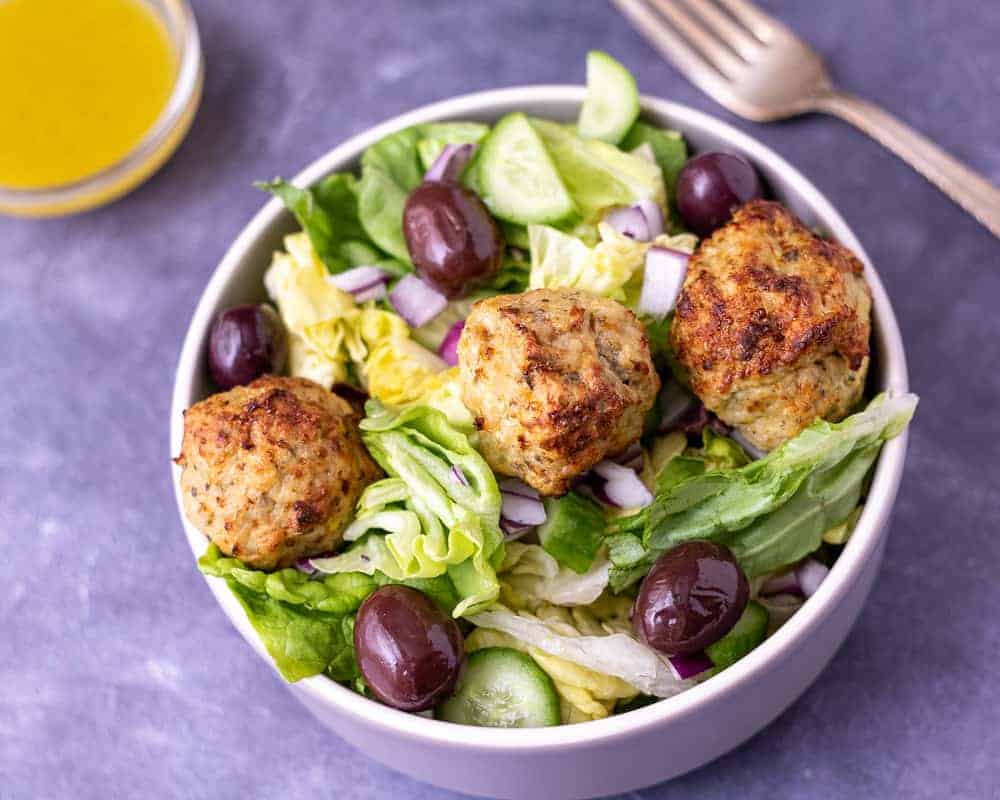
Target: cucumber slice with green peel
<point x="502" y="688"/>
<point x="612" y="101"/>
<point x="746" y="634"/>
<point x="573" y="530"/>
<point x="516" y="176"/>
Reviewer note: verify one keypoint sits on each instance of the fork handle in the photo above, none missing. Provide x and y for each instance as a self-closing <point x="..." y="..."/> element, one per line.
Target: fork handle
<point x="967" y="188"/>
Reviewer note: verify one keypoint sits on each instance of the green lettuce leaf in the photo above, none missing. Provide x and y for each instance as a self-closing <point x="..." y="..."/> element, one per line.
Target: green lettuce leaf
<point x="670" y="153"/>
<point x="770" y="512"/>
<point x="598" y="175"/>
<point x="304" y="624"/>
<point x="424" y="521"/>
<point x="328" y="214"/>
<point x="392" y="168"/>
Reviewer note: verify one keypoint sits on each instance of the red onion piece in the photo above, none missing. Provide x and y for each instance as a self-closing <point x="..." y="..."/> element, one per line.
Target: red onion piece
<point x="458" y="476"/>
<point x="675" y="402"/>
<point x="417" y="302"/>
<point x="359" y="278"/>
<point x="810" y="575"/>
<point x="662" y="280"/>
<point x="631" y="457"/>
<point x="654" y="217"/>
<point x="449" y="165"/>
<point x="449" y="345"/>
<point x="685" y="667"/>
<point x="513" y="532"/>
<point x="785" y="583"/>
<point x="376" y="292"/>
<point x="622" y="486"/>
<point x="521" y="489"/>
<point x="751" y="449"/>
<point x="521" y="510"/>
<point x="629" y="221"/>
<point x="305" y="565"/>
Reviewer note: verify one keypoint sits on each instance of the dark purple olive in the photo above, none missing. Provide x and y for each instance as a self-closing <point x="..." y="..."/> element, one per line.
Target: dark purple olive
<point x="246" y="342"/>
<point x="692" y="597"/>
<point x="408" y="650"/>
<point x="710" y="186"/>
<point x="453" y="241"/>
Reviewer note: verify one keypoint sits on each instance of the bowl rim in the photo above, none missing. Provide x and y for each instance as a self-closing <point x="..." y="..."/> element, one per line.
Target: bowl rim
<point x="862" y="545"/>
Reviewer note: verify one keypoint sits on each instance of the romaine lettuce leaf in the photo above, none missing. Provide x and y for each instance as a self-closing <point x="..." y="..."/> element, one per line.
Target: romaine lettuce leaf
<point x="424" y="520"/>
<point x="771" y="512"/>
<point x="304" y="624"/>
<point x="436" y="135"/>
<point x="669" y="152"/>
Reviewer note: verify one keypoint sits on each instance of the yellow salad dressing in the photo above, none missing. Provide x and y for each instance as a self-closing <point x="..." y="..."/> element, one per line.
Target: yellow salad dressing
<point x="81" y="82"/>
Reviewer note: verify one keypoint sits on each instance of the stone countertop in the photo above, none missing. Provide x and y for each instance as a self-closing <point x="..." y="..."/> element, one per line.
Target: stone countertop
<point x="120" y="676"/>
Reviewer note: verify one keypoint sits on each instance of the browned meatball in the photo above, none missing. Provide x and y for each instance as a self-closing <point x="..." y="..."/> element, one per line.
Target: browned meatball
<point x="272" y="470"/>
<point x="773" y="325"/>
<point x="557" y="379"/>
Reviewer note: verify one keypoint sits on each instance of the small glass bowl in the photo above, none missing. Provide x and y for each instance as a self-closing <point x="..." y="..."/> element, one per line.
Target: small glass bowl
<point x="152" y="150"/>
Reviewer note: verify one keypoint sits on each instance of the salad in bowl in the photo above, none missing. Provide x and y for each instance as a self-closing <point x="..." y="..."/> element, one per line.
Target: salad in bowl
<point x="542" y="423"/>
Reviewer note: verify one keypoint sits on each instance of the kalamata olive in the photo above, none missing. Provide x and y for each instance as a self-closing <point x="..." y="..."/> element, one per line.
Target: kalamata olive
<point x="692" y="597"/>
<point x="409" y="651"/>
<point x="246" y="342"/>
<point x="711" y="185"/>
<point x="453" y="241"/>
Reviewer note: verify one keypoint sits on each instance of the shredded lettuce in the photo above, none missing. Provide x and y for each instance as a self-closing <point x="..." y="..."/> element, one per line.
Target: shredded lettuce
<point x="612" y="268"/>
<point x="618" y="655"/>
<point x="771" y="512"/>
<point x="424" y="520"/>
<point x="530" y="576"/>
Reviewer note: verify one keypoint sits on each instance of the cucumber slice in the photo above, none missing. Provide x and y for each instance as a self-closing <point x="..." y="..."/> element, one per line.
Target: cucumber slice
<point x="612" y="101"/>
<point x="573" y="530"/>
<point x="502" y="688"/>
<point x="746" y="634"/>
<point x="517" y="178"/>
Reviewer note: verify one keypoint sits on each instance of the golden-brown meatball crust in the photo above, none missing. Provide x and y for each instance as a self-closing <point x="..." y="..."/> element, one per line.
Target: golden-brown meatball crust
<point x="272" y="470"/>
<point x="557" y="379"/>
<point x="772" y="325"/>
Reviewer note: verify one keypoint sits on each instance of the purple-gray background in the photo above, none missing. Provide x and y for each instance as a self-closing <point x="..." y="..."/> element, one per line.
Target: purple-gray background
<point x="119" y="676"/>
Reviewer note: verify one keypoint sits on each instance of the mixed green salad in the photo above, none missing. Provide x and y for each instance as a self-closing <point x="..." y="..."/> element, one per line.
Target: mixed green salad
<point x="529" y="610"/>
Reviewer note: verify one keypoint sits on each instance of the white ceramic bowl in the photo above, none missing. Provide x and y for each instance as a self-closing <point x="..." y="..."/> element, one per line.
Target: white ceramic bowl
<point x="641" y="747"/>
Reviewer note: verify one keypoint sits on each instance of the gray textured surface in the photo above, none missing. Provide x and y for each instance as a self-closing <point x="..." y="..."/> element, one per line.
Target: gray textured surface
<point x="119" y="676"/>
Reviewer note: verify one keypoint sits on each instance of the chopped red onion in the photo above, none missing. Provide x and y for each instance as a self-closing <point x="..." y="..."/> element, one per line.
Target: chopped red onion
<point x="685" y="667"/>
<point x="521" y="489"/>
<point x="513" y="532"/>
<point x="622" y="486"/>
<point x="675" y="402"/>
<point x="417" y="302"/>
<point x="376" y="292"/>
<point x="662" y="280"/>
<point x="629" y="221"/>
<point x="449" y="165"/>
<point x="359" y="278"/>
<point x="305" y="565"/>
<point x="631" y="457"/>
<point x="751" y="449"/>
<point x="810" y="575"/>
<point x="654" y="217"/>
<point x="449" y="345"/>
<point x="785" y="583"/>
<point x="521" y="510"/>
<point x="458" y="476"/>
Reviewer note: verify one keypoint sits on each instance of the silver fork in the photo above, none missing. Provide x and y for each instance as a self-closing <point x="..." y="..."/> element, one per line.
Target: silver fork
<point x="757" y="68"/>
